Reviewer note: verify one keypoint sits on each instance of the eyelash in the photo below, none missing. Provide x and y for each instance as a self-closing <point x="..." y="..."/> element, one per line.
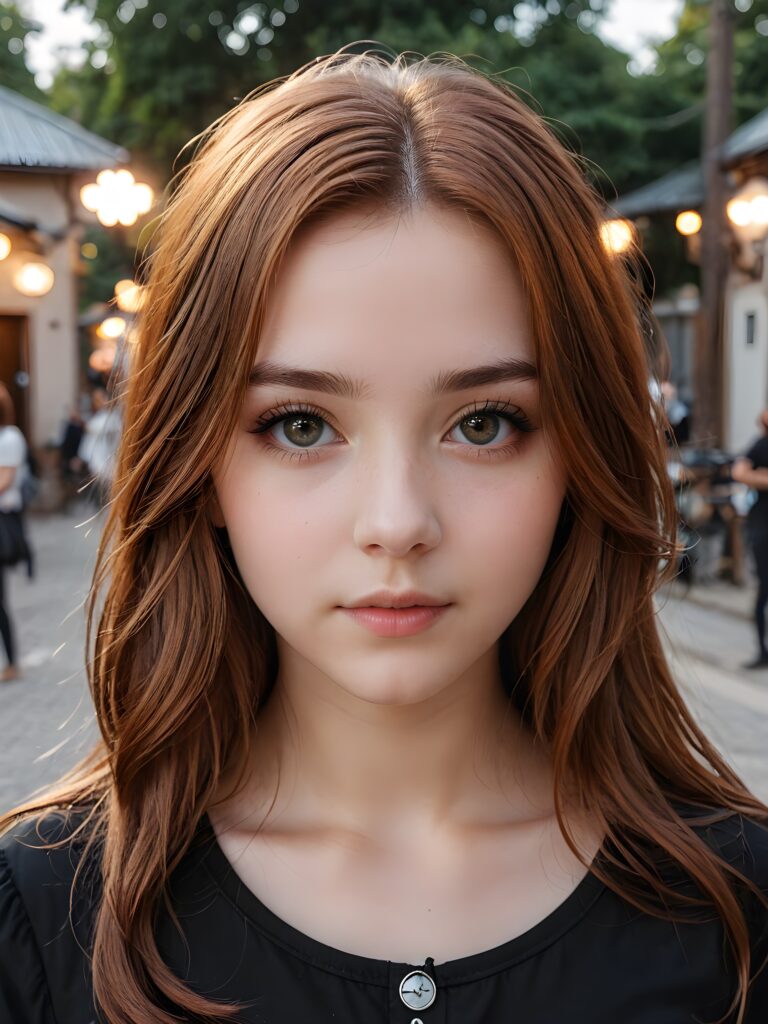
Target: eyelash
<point x="284" y="411"/>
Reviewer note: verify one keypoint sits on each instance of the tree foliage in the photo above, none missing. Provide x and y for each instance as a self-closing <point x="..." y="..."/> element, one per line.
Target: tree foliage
<point x="156" y="77"/>
<point x="14" y="74"/>
<point x="161" y="70"/>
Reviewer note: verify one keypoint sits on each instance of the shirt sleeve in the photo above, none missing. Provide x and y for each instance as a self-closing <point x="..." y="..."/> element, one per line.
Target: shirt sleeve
<point x="757" y="1005"/>
<point x="758" y="454"/>
<point x="11" y="447"/>
<point x="24" y="997"/>
<point x="754" y="863"/>
<point x="85" y="448"/>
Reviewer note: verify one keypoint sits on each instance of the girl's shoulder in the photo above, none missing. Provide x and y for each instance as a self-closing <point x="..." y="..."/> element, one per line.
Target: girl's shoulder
<point x="34" y="833"/>
<point x="43" y="967"/>
<point x="39" y="859"/>
<point x="740" y="840"/>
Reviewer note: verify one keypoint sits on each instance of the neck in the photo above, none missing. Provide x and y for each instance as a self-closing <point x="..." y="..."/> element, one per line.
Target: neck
<point x="325" y="759"/>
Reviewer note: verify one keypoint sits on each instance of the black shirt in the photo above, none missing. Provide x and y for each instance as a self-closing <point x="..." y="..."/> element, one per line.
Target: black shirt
<point x="758" y="456"/>
<point x="594" y="960"/>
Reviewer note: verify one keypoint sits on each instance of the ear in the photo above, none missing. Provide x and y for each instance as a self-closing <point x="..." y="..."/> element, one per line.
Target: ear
<point x="214" y="510"/>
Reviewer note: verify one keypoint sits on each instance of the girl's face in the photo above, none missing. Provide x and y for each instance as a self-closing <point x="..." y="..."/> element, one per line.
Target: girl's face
<point x="415" y="469"/>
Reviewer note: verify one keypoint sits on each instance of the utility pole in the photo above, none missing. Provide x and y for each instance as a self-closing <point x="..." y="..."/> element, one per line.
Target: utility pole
<point x="708" y="353"/>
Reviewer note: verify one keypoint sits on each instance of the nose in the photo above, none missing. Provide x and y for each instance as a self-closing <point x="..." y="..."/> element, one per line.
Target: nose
<point x="395" y="505"/>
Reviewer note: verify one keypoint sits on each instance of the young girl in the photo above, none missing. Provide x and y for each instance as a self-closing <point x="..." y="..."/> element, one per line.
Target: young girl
<point x="388" y="732"/>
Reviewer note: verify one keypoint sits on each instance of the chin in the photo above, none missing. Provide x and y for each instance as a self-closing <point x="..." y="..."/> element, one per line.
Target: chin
<point x="389" y="694"/>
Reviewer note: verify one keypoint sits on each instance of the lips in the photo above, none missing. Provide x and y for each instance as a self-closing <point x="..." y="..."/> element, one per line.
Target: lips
<point x="396" y="622"/>
<point x="404" y="599"/>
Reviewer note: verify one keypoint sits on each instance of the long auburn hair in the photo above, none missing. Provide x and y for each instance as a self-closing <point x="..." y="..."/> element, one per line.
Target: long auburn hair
<point x="182" y="657"/>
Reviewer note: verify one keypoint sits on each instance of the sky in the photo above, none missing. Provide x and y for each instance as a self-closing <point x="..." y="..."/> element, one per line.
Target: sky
<point x="630" y="25"/>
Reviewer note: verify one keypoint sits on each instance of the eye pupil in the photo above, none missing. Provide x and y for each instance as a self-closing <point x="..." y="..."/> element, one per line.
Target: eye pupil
<point x="303" y="437"/>
<point x="479" y="417"/>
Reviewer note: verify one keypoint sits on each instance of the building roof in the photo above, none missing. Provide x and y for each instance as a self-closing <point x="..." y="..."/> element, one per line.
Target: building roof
<point x="35" y="137"/>
<point x="678" y="190"/>
<point x="684" y="188"/>
<point x="749" y="138"/>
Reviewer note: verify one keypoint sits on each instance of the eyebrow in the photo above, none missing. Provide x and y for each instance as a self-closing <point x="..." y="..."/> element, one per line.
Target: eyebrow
<point x="344" y="386"/>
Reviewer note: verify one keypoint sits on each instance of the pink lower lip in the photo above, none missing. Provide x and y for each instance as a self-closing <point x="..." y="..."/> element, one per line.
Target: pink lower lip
<point x="396" y="621"/>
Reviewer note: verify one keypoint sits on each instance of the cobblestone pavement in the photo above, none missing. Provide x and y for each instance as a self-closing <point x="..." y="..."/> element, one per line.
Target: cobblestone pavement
<point x="47" y="718"/>
<point x="706" y="646"/>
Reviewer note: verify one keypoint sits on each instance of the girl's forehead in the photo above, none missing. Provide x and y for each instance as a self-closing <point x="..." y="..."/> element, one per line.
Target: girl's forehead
<point x="353" y="240"/>
<point x="430" y="286"/>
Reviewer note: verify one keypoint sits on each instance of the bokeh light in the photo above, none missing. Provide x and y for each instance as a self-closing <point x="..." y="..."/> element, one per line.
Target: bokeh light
<point x="688" y="222"/>
<point x="617" y="235"/>
<point x="112" y="327"/>
<point x="33" y="279"/>
<point x="116" y="197"/>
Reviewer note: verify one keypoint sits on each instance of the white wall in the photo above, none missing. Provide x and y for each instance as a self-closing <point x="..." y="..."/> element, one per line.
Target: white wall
<point x="746" y="365"/>
<point x="53" y="317"/>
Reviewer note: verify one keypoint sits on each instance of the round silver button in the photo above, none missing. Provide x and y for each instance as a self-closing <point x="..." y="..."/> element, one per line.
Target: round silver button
<point x="417" y="990"/>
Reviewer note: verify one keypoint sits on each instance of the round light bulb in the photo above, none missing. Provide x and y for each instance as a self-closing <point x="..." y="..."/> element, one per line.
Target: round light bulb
<point x="129" y="296"/>
<point x="33" y="279"/>
<point x="5" y="246"/>
<point x="116" y="196"/>
<point x="617" y="235"/>
<point x="107" y="216"/>
<point x="739" y="212"/>
<point x="89" y="196"/>
<point x="760" y="210"/>
<point x="688" y="222"/>
<point x="142" y="197"/>
<point x="112" y="327"/>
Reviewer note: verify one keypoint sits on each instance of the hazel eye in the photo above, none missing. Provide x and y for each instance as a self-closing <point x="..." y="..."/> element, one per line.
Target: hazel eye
<point x="483" y="427"/>
<point x="302" y="429"/>
<point x="483" y="419"/>
<point x="303" y="422"/>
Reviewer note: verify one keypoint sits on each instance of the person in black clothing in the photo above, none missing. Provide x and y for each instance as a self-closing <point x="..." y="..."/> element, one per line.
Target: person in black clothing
<point x="71" y="466"/>
<point x="752" y="469"/>
<point x="593" y="960"/>
<point x="387" y="733"/>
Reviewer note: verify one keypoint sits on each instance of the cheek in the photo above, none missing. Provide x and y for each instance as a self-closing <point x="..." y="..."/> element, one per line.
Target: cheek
<point x="279" y="531"/>
<point x="504" y="534"/>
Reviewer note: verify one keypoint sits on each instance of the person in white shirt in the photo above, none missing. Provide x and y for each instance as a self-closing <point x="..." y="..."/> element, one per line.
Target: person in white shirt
<point x="13" y="462"/>
<point x="99" y="443"/>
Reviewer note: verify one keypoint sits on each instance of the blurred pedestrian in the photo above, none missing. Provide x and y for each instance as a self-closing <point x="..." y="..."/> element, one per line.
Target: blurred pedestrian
<point x="99" y="444"/>
<point x="71" y="466"/>
<point x="13" y="543"/>
<point x="752" y="469"/>
<point x="678" y="414"/>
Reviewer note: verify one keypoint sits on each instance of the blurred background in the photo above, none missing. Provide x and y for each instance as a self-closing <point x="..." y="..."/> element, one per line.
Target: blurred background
<point x="665" y="102"/>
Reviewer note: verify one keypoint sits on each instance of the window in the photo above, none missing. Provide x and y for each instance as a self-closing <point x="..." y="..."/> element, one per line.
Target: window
<point x="751" y="328"/>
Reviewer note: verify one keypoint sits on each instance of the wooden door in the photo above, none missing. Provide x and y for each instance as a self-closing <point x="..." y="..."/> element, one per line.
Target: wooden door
<point x="14" y="366"/>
